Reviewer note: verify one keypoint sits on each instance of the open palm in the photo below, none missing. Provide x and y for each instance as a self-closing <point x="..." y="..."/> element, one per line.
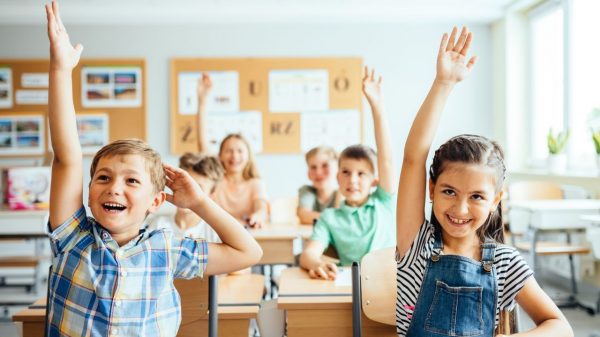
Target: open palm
<point x="204" y="85"/>
<point x="452" y="56"/>
<point x="63" y="55"/>
<point x="371" y="86"/>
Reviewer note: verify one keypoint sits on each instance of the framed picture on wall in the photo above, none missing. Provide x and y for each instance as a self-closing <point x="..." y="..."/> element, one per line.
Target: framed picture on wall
<point x="22" y="135"/>
<point x="111" y="87"/>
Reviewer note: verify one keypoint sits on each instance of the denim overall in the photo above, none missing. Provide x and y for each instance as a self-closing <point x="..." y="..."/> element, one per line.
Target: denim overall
<point x="458" y="296"/>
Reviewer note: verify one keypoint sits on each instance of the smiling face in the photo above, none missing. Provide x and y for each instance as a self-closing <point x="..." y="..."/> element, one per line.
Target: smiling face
<point x="234" y="155"/>
<point x="322" y="170"/>
<point x="356" y="178"/>
<point x="463" y="198"/>
<point x="122" y="194"/>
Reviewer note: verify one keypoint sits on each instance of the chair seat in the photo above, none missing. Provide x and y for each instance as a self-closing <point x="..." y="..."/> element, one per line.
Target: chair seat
<point x="19" y="261"/>
<point x="554" y="248"/>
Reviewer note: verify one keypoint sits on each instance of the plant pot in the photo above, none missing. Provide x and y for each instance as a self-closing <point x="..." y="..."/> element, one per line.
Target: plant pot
<point x="598" y="162"/>
<point x="557" y="163"/>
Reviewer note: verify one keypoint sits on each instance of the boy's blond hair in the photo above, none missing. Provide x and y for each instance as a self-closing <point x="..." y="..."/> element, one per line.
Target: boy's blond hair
<point x="136" y="147"/>
<point x="326" y="150"/>
<point x="206" y="166"/>
<point x="250" y="171"/>
<point x="360" y="152"/>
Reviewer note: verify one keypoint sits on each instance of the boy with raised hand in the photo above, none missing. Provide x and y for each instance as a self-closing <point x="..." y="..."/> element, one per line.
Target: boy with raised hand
<point x="364" y="222"/>
<point x="108" y="275"/>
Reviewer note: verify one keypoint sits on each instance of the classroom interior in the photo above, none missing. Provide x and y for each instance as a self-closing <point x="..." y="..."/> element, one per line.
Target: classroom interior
<point x="534" y="89"/>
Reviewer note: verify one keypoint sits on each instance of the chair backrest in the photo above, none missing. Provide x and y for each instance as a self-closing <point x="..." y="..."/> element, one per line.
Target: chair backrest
<point x="534" y="190"/>
<point x="378" y="285"/>
<point x="198" y="301"/>
<point x="508" y="322"/>
<point x="283" y="210"/>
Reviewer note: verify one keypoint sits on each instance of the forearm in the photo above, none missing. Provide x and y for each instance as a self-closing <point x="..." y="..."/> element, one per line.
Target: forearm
<point x="385" y="157"/>
<point x="261" y="207"/>
<point x="201" y="126"/>
<point x="311" y="255"/>
<point x="426" y="122"/>
<point x="307" y="216"/>
<point x="61" y="117"/>
<point x="552" y="327"/>
<point x="229" y="230"/>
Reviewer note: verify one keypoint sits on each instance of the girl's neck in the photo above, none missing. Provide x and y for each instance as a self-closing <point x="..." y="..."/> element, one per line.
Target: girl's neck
<point x="235" y="177"/>
<point x="186" y="219"/>
<point x="469" y="247"/>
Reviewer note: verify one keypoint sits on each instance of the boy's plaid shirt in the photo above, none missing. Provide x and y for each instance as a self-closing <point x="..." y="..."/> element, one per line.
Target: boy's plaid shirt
<point x="100" y="289"/>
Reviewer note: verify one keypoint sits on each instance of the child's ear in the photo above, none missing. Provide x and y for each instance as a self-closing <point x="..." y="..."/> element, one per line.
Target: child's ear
<point x="159" y="199"/>
<point x="431" y="188"/>
<point x="375" y="182"/>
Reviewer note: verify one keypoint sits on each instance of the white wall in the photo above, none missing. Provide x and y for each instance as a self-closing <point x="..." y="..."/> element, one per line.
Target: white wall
<point x="403" y="53"/>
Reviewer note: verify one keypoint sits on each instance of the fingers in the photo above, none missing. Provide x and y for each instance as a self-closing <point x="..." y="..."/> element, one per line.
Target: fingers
<point x="169" y="197"/>
<point x="450" y="45"/>
<point x="467" y="44"/>
<point x="471" y="62"/>
<point x="366" y="75"/>
<point x="372" y="74"/>
<point x="380" y="79"/>
<point x="443" y="45"/>
<point x="331" y="270"/>
<point x="56" y="11"/>
<point x="461" y="40"/>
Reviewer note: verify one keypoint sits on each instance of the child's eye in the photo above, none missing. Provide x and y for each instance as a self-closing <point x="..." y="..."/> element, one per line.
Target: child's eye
<point x="102" y="178"/>
<point x="448" y="192"/>
<point x="477" y="197"/>
<point x="133" y="181"/>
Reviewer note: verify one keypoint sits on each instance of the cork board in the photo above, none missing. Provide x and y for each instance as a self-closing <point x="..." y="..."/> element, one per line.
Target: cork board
<point x="281" y="132"/>
<point x="123" y="121"/>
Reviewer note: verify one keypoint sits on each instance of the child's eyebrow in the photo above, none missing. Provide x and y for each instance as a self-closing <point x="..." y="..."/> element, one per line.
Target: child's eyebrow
<point x="125" y="171"/>
<point x="456" y="189"/>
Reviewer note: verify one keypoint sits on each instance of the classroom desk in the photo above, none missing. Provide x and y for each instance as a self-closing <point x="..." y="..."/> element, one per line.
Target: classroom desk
<point x="320" y="308"/>
<point x="560" y="215"/>
<point x="277" y="241"/>
<point x="239" y="299"/>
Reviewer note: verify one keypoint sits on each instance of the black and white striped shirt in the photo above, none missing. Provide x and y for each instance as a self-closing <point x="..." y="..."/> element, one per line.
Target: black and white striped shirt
<point x="512" y="272"/>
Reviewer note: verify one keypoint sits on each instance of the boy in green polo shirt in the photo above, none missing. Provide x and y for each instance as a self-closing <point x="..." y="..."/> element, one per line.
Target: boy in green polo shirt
<point x="365" y="221"/>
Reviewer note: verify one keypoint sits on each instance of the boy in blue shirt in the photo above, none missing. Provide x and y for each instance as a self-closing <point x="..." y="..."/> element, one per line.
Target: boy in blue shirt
<point x="364" y="221"/>
<point x="108" y="275"/>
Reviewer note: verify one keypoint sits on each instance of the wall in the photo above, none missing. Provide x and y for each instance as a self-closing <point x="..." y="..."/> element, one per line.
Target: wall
<point x="403" y="53"/>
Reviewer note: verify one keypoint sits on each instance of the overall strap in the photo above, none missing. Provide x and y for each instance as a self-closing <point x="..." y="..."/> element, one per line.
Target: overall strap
<point x="438" y="245"/>
<point x="488" y="252"/>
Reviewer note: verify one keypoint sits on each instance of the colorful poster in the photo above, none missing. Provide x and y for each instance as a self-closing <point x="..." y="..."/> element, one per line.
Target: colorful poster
<point x="247" y="123"/>
<point x="223" y="97"/>
<point x="298" y="90"/>
<point x="6" y="88"/>
<point x="21" y="135"/>
<point x="336" y="128"/>
<point x="93" y="132"/>
<point x="111" y="87"/>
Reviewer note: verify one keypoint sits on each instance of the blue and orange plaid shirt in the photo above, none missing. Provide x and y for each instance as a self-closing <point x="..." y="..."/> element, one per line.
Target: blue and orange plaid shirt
<point x="100" y="289"/>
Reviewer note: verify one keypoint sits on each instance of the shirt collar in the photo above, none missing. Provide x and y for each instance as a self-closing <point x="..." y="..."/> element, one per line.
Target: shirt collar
<point x="351" y="209"/>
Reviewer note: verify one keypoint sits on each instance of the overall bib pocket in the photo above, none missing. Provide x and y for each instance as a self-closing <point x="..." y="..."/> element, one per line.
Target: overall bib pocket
<point x="456" y="311"/>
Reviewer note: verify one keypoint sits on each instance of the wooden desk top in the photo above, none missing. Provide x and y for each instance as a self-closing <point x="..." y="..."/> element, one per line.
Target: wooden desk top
<point x="239" y="298"/>
<point x="298" y="291"/>
<point x="281" y="231"/>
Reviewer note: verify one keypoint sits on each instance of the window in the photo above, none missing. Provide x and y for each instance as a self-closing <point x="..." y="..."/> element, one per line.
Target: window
<point x="565" y="77"/>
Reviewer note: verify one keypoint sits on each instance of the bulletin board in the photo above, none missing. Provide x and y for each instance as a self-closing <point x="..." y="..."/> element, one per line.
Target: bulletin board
<point x="282" y="130"/>
<point x="124" y="112"/>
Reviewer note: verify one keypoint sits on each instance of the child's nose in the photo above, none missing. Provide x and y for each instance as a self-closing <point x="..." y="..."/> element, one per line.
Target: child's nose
<point x="115" y="188"/>
<point x="462" y="206"/>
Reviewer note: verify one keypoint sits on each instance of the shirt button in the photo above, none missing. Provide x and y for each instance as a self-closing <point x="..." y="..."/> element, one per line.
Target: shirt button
<point x="105" y="236"/>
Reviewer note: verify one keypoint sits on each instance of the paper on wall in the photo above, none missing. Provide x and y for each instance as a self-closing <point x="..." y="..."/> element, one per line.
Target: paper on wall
<point x="335" y="128"/>
<point x="6" y="88"/>
<point x="34" y="80"/>
<point x="298" y="90"/>
<point x="221" y="124"/>
<point x="223" y="97"/>
<point x="32" y="97"/>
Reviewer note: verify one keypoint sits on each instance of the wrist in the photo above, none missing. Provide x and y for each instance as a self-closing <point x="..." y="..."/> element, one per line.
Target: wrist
<point x="444" y="83"/>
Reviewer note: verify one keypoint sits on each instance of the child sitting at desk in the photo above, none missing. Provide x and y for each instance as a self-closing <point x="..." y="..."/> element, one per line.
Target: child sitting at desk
<point x="365" y="220"/>
<point x="108" y="276"/>
<point x="314" y="199"/>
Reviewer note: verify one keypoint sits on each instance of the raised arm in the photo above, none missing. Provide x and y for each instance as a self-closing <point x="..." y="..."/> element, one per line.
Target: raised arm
<point x="239" y="250"/>
<point x="373" y="91"/>
<point x="203" y="89"/>
<point x="66" y="190"/>
<point x="451" y="69"/>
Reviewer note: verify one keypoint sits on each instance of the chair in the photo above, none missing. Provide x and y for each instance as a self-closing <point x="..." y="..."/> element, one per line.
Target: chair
<point x="373" y="282"/>
<point x="544" y="190"/>
<point x="198" y="302"/>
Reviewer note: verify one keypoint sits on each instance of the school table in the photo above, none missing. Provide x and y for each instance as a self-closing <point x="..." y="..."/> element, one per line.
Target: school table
<point x="277" y="241"/>
<point x="239" y="299"/>
<point x="321" y="308"/>
<point x="557" y="215"/>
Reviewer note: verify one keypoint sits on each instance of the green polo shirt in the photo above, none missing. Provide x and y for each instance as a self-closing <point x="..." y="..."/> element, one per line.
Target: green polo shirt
<point x="356" y="231"/>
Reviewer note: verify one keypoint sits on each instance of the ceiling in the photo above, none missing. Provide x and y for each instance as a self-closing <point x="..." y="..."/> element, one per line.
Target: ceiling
<point x="256" y="11"/>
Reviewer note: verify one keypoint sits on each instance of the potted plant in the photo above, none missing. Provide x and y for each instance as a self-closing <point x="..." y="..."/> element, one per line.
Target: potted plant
<point x="596" y="139"/>
<point x="557" y="160"/>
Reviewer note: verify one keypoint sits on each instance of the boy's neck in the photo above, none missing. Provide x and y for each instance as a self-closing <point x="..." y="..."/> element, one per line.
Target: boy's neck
<point x="124" y="238"/>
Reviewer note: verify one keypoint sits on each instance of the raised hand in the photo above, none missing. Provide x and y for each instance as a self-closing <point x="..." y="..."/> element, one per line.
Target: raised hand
<point x="204" y="86"/>
<point x="186" y="192"/>
<point x="451" y="66"/>
<point x="371" y="87"/>
<point x="63" y="56"/>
